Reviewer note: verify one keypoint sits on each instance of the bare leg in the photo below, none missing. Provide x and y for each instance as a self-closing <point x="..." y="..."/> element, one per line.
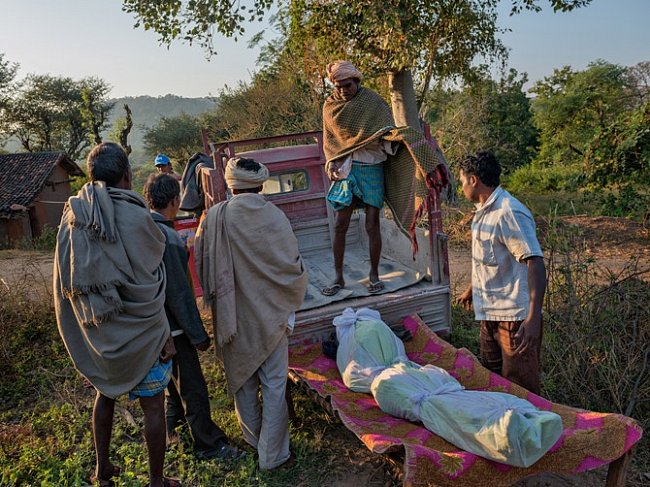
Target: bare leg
<point x="338" y="246"/>
<point x="102" y="430"/>
<point x="154" y="433"/>
<point x="374" y="241"/>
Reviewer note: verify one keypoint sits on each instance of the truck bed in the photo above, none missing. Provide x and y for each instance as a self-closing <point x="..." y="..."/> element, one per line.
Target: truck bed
<point x="298" y="186"/>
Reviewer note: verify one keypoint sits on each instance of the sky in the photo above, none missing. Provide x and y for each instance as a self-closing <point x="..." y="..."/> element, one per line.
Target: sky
<point x="80" y="38"/>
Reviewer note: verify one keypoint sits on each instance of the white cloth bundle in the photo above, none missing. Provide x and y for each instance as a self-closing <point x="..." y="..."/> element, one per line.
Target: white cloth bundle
<point x="494" y="425"/>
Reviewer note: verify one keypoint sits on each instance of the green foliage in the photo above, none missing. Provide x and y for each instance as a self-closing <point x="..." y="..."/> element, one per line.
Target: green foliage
<point x="30" y="345"/>
<point x="178" y="137"/>
<point x="146" y="113"/>
<point x="50" y="113"/>
<point x="485" y="115"/>
<point x="597" y="336"/>
<point x="620" y="151"/>
<point x="630" y="200"/>
<point x="536" y="179"/>
<point x="440" y="38"/>
<point x="571" y="107"/>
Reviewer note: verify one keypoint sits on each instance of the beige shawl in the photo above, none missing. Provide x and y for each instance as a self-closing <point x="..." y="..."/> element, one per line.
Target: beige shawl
<point x="109" y="287"/>
<point x="253" y="277"/>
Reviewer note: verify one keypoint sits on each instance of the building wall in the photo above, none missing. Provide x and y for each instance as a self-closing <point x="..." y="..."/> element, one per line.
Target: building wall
<point x="14" y="230"/>
<point x="48" y="205"/>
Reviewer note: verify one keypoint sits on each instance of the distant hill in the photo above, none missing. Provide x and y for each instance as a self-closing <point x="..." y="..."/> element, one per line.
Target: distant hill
<point x="148" y="110"/>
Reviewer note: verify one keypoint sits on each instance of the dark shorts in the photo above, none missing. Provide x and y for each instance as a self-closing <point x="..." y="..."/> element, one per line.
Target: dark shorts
<point x="498" y="345"/>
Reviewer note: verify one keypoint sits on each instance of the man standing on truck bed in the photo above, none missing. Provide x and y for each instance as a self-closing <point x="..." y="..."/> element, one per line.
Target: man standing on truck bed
<point x="253" y="277"/>
<point x="508" y="275"/>
<point x="359" y="136"/>
<point x="357" y="176"/>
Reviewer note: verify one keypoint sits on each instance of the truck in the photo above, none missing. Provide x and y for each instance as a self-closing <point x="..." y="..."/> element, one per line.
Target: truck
<point x="414" y="282"/>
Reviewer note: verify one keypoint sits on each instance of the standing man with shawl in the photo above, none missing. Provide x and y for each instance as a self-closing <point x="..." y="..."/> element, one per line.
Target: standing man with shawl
<point x="253" y="278"/>
<point x="366" y="163"/>
<point x="109" y="295"/>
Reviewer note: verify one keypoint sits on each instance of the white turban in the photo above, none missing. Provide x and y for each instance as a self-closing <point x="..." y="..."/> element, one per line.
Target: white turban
<point x="238" y="178"/>
<point x="340" y="70"/>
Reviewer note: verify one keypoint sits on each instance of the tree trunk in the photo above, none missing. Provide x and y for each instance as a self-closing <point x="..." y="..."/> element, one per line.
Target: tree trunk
<point x="124" y="134"/>
<point x="403" y="100"/>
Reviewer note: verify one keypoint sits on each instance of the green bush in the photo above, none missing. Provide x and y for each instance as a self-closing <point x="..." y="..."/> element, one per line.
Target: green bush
<point x="628" y="200"/>
<point x="535" y="179"/>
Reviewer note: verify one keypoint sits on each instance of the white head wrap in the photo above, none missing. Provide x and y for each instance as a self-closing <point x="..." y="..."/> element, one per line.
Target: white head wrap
<point x="340" y="70"/>
<point x="238" y="178"/>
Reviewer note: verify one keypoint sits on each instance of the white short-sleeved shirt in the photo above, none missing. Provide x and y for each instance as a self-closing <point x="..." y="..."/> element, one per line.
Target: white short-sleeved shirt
<point x="503" y="236"/>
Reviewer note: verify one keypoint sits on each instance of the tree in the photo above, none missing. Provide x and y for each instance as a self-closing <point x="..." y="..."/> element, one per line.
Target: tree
<point x="122" y="128"/>
<point x="7" y="74"/>
<point x="485" y="115"/>
<point x="178" y="137"/>
<point x="48" y="113"/>
<point x="571" y="107"/>
<point x="429" y="38"/>
<point x="620" y="153"/>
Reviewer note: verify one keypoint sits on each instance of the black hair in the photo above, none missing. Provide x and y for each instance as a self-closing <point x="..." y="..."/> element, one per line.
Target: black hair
<point x="248" y="164"/>
<point x="107" y="162"/>
<point x="485" y="166"/>
<point x="160" y="189"/>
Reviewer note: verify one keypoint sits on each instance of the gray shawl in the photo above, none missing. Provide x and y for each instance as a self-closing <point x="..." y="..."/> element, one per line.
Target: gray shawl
<point x="109" y="287"/>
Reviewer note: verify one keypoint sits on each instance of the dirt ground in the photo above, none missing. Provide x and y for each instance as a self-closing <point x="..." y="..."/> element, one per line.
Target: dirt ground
<point x="611" y="241"/>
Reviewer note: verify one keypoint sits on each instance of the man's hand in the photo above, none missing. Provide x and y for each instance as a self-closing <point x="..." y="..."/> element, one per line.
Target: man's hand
<point x="333" y="170"/>
<point x="203" y="346"/>
<point x="168" y="351"/>
<point x="528" y="333"/>
<point x="465" y="299"/>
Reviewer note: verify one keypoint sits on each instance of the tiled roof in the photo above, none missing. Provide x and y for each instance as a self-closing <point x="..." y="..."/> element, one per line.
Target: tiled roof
<point x="22" y="176"/>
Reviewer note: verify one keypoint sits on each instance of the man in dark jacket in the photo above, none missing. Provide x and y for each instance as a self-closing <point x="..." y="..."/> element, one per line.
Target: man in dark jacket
<point x="187" y="399"/>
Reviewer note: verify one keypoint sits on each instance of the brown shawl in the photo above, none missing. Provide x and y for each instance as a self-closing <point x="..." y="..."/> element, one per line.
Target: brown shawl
<point x="109" y="287"/>
<point x="351" y="125"/>
<point x="253" y="277"/>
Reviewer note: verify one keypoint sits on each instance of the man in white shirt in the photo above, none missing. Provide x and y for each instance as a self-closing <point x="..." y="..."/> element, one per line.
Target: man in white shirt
<point x="508" y="275"/>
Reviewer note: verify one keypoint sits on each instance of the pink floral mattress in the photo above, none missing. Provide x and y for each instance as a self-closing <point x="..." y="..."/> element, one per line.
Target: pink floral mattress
<point x="589" y="440"/>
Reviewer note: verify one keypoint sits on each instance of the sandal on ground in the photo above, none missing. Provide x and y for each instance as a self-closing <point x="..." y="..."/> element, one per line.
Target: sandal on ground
<point x="331" y="290"/>
<point x="94" y="480"/>
<point x="376" y="287"/>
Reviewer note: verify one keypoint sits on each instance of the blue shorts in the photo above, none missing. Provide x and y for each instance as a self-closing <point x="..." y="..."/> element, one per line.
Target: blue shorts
<point x="365" y="181"/>
<point x="154" y="382"/>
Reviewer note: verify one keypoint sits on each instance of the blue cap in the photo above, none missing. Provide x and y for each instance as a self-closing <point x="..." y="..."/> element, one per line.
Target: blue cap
<point x="161" y="160"/>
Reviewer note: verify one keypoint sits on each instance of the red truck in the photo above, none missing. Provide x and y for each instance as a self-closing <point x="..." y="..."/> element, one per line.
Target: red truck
<point x="298" y="185"/>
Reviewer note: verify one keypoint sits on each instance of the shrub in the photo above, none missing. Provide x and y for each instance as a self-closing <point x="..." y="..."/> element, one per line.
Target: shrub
<point x="537" y="179"/>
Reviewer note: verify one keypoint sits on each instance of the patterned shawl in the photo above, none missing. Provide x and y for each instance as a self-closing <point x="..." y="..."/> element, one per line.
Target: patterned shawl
<point x="351" y="125"/>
